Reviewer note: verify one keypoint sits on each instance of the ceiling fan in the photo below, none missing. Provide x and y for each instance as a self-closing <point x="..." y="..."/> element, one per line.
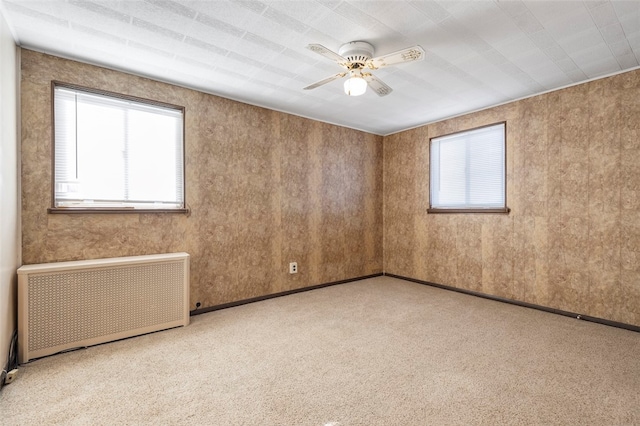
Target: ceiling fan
<point x="356" y="57"/>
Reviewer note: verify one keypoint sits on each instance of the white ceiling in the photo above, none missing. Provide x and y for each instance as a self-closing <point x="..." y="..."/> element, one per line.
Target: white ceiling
<point x="478" y="53"/>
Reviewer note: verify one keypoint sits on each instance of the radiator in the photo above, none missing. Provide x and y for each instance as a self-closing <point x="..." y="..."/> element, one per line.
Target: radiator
<point x="68" y="305"/>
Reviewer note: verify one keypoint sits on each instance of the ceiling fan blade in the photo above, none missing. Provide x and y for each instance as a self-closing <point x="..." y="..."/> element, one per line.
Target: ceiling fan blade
<point x="410" y="54"/>
<point x="377" y="85"/>
<point x="325" y="81"/>
<point x="321" y="50"/>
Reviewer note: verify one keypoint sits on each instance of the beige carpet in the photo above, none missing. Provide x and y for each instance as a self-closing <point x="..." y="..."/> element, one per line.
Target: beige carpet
<point x="380" y="351"/>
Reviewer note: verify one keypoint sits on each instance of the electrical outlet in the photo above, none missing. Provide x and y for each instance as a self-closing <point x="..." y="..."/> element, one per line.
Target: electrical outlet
<point x="293" y="267"/>
<point x="11" y="376"/>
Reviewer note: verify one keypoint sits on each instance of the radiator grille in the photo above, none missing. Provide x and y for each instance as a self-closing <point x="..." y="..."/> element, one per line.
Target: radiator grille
<point x="72" y="308"/>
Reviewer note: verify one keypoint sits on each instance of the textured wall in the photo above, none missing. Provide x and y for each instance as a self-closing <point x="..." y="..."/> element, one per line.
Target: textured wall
<point x="264" y="189"/>
<point x="572" y="239"/>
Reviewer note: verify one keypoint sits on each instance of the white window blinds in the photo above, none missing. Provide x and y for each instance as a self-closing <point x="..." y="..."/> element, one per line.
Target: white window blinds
<point x="113" y="152"/>
<point x="467" y="169"/>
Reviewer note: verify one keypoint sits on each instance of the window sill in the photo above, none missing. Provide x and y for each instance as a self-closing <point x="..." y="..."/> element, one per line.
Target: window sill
<point x="109" y="210"/>
<point x="504" y="210"/>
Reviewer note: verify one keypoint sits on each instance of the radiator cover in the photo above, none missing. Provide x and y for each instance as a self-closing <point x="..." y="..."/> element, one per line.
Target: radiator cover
<point x="67" y="305"/>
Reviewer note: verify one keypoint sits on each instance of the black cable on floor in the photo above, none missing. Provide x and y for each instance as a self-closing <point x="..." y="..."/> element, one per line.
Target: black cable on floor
<point x="13" y="351"/>
<point x="12" y="359"/>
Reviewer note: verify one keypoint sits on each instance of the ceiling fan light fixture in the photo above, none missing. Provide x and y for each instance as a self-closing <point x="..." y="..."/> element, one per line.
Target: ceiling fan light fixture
<point x="355" y="86"/>
<point x="356" y="58"/>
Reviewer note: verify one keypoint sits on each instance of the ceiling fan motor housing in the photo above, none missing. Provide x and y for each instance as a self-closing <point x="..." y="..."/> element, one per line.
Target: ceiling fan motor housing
<point x="356" y="51"/>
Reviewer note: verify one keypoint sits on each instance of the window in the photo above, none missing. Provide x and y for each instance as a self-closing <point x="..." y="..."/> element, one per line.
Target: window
<point x="467" y="171"/>
<point x="114" y="152"/>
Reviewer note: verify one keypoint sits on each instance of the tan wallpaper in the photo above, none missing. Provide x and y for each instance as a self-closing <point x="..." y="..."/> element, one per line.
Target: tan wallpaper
<point x="264" y="188"/>
<point x="572" y="239"/>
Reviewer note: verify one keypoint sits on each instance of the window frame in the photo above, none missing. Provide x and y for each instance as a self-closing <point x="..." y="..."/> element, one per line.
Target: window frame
<point x="499" y="210"/>
<point x="103" y="209"/>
